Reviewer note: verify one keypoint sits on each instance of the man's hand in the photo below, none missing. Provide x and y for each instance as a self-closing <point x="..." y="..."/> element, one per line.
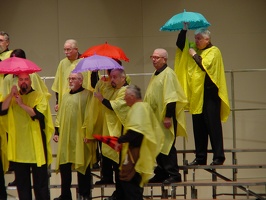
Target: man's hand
<point x="167" y="122"/>
<point x="56" y="107"/>
<point x="185" y="26"/>
<point x="56" y="138"/>
<point x="99" y="96"/>
<point x="86" y="140"/>
<point x="192" y="52"/>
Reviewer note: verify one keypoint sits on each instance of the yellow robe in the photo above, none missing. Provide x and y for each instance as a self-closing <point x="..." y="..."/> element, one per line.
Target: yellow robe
<point x="114" y="119"/>
<point x="5" y="55"/>
<point x="192" y="77"/>
<point x="61" y="85"/>
<point x="24" y="135"/>
<point x="3" y="137"/>
<point x="70" y="118"/>
<point x="141" y="119"/>
<point x="163" y="89"/>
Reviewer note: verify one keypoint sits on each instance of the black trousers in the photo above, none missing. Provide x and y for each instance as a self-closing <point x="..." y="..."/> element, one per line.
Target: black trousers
<point x="167" y="164"/>
<point x="40" y="181"/>
<point x="3" y="194"/>
<point x="84" y="182"/>
<point x="108" y="168"/>
<point x="208" y="123"/>
<point x="131" y="189"/>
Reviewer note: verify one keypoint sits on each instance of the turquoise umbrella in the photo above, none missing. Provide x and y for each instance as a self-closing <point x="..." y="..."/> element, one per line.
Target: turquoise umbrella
<point x="193" y="19"/>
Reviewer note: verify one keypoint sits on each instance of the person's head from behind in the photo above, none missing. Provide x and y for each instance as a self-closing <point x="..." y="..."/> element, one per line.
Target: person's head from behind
<point x="71" y="49"/>
<point x="117" y="78"/>
<point x="18" y="53"/>
<point x="75" y="81"/>
<point x="202" y="38"/>
<point x="132" y="95"/>
<point x="159" y="58"/>
<point x="4" y="41"/>
<point x="24" y="83"/>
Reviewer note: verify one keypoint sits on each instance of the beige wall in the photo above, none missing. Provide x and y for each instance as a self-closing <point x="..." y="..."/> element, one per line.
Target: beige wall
<point x="238" y="29"/>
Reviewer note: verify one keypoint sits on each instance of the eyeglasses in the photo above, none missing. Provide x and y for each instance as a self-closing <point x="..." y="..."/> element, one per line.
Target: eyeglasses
<point x="72" y="78"/>
<point x="155" y="57"/>
<point x="68" y="50"/>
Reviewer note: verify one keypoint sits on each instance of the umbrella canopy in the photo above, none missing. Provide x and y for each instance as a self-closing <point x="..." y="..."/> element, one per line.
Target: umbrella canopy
<point x="15" y="65"/>
<point x="195" y="20"/>
<point x="96" y="62"/>
<point x="106" y="50"/>
<point x="109" y="140"/>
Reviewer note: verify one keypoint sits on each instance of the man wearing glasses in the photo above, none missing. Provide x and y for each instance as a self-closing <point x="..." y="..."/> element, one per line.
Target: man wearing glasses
<point x="167" y="99"/>
<point x="65" y="67"/>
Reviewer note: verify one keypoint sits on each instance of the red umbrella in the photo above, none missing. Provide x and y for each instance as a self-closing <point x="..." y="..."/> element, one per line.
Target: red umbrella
<point x="106" y="50"/>
<point x="15" y="65"/>
<point x="109" y="140"/>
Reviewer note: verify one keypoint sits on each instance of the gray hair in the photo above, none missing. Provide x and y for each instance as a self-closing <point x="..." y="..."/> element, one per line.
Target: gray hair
<point x="72" y="42"/>
<point x="204" y="32"/>
<point x="6" y="36"/>
<point x="135" y="90"/>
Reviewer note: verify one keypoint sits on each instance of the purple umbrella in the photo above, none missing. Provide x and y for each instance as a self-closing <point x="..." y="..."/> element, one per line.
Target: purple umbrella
<point x="96" y="62"/>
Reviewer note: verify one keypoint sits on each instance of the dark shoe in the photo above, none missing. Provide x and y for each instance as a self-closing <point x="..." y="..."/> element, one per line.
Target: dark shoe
<point x="157" y="179"/>
<point x="196" y="162"/>
<point x="103" y="182"/>
<point x="172" y="179"/>
<point x="95" y="166"/>
<point x="84" y="198"/>
<point x="217" y="162"/>
<point x="61" y="198"/>
<point x="12" y="183"/>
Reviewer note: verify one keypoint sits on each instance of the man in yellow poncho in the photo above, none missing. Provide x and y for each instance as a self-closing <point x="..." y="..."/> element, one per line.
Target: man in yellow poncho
<point x="10" y="79"/>
<point x="201" y="71"/>
<point x="141" y="131"/>
<point x="167" y="99"/>
<point x="4" y="54"/>
<point x="73" y="153"/>
<point x="65" y="67"/>
<point x="115" y="111"/>
<point x="29" y="126"/>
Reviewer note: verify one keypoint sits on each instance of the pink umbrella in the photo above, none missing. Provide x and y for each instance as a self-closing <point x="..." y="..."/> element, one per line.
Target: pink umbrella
<point x="15" y="65"/>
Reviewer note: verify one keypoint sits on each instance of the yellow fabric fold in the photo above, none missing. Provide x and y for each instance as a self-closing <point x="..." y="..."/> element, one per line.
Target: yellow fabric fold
<point x="192" y="77"/>
<point x="141" y="119"/>
<point x="70" y="119"/>
<point x="24" y="135"/>
<point x="163" y="89"/>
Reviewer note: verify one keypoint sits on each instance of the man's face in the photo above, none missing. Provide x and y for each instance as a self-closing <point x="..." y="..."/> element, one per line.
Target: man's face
<point x="201" y="42"/>
<point x="74" y="81"/>
<point x="117" y="81"/>
<point x="3" y="43"/>
<point x="70" y="52"/>
<point x="129" y="98"/>
<point x="24" y="83"/>
<point x="157" y="60"/>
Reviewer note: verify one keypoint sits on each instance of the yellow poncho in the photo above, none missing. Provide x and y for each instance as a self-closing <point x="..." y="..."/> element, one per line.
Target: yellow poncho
<point x="70" y="118"/>
<point x="163" y="89"/>
<point x="24" y="135"/>
<point x="61" y="85"/>
<point x="192" y="77"/>
<point x="114" y="119"/>
<point x="141" y="119"/>
<point x="5" y="55"/>
<point x="3" y="138"/>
